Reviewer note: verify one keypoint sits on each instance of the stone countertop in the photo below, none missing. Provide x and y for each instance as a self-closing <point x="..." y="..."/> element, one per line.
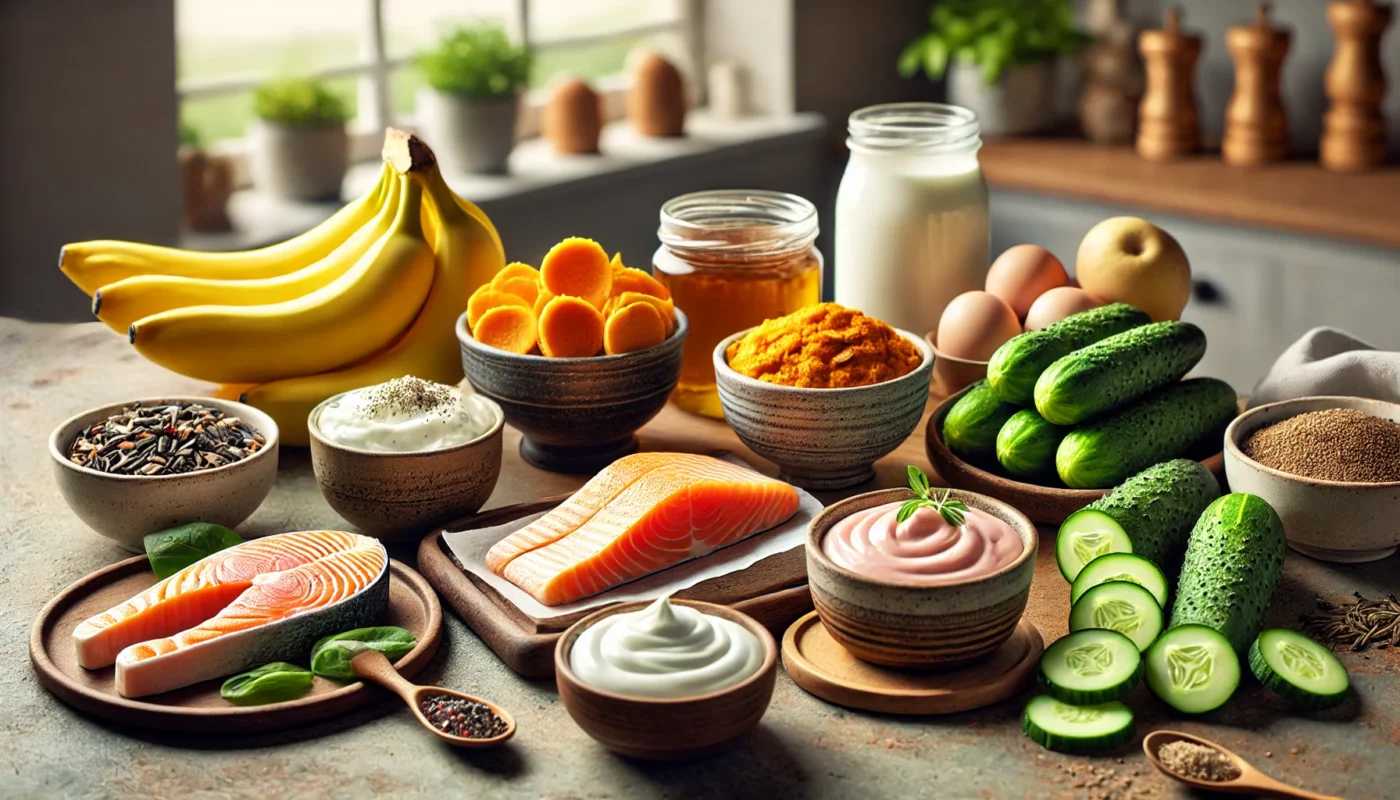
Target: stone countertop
<point x="804" y="747"/>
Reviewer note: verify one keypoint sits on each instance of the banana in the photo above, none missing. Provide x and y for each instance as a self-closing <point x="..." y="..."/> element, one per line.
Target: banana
<point x="469" y="254"/>
<point x="354" y="316"/>
<point x="96" y="263"/>
<point x="129" y="299"/>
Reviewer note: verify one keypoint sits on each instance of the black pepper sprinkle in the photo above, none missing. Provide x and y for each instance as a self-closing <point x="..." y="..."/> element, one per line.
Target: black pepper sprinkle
<point x="465" y="718"/>
<point x="408" y="395"/>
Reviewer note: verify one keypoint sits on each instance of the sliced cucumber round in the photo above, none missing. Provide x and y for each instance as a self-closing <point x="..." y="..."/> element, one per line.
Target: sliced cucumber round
<point x="1069" y="728"/>
<point x="1120" y="567"/>
<point x="1084" y="536"/>
<point x="1193" y="669"/>
<point x="1091" y="666"/>
<point x="1119" y="606"/>
<point x="1298" y="668"/>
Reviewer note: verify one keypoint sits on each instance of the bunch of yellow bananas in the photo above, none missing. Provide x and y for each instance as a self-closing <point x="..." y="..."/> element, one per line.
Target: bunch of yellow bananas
<point x="371" y="294"/>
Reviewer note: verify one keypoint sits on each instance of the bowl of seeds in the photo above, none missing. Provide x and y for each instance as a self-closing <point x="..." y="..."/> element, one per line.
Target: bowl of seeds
<point x="133" y="468"/>
<point x="1330" y="467"/>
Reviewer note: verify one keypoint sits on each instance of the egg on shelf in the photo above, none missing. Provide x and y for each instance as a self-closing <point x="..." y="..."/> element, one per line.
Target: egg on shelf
<point x="974" y="325"/>
<point x="1024" y="273"/>
<point x="573" y="119"/>
<point x="1056" y="304"/>
<point x="656" y="101"/>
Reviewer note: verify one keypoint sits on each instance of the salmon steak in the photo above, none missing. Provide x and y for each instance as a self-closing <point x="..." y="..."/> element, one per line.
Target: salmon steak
<point x="265" y="600"/>
<point x="641" y="514"/>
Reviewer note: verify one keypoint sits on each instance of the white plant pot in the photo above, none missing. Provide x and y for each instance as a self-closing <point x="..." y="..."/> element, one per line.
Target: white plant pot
<point x="468" y="135"/>
<point x="1022" y="101"/>
<point x="298" y="162"/>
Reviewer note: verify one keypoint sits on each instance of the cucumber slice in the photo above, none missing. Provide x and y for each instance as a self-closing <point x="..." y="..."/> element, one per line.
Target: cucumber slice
<point x="1087" y="534"/>
<point x="1120" y="567"/>
<point x="1119" y="606"/>
<point x="1193" y="669"/>
<point x="1077" y="729"/>
<point x="1091" y="666"/>
<point x="1298" y="668"/>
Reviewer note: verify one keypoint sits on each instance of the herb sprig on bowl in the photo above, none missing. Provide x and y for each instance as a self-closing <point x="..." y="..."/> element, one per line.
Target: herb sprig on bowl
<point x="952" y="511"/>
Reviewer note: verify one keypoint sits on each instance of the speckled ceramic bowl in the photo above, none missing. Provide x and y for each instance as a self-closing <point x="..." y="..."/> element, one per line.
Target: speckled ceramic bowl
<point x="1328" y="520"/>
<point x="396" y="496"/>
<point x="823" y="438"/>
<point x="125" y="508"/>
<point x="576" y="414"/>
<point x="919" y="626"/>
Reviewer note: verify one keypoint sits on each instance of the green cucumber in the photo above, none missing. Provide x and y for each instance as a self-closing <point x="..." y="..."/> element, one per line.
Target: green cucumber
<point x="1116" y="371"/>
<point x="1068" y="728"/>
<point x="1026" y="445"/>
<point x="971" y="426"/>
<point x="1119" y="606"/>
<point x="1120" y="567"/>
<point x="1157" y="428"/>
<point x="1193" y="669"/>
<point x="1158" y="507"/>
<point x="1091" y="666"/>
<point x="1298" y="669"/>
<point x="1233" y="561"/>
<point x="1088" y="534"/>
<point x="1017" y="364"/>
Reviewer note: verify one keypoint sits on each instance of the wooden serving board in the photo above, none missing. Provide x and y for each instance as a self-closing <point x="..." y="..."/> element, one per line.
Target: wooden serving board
<point x="772" y="591"/>
<point x="199" y="708"/>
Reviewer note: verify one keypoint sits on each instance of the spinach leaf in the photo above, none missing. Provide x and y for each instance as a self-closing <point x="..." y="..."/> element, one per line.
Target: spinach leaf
<point x="331" y="656"/>
<point x="172" y="550"/>
<point x="270" y="683"/>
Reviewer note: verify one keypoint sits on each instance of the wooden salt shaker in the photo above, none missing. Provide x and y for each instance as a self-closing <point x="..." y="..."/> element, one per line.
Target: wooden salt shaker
<point x="1112" y="77"/>
<point x="1353" y="131"/>
<point x="1168" y="126"/>
<point x="1256" y="130"/>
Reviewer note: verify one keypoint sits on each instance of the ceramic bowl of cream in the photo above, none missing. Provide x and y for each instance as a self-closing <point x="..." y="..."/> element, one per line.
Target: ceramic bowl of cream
<point x="395" y="472"/>
<point x="666" y="679"/>
<point x="823" y="438"/>
<point x="920" y="594"/>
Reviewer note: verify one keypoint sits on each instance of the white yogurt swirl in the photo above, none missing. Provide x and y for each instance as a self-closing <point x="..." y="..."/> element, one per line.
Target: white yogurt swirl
<point x="665" y="652"/>
<point x="405" y="415"/>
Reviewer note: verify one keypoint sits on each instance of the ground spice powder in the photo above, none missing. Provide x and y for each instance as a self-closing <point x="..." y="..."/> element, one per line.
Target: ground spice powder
<point x="1337" y="444"/>
<point x="826" y="346"/>
<point x="1197" y="761"/>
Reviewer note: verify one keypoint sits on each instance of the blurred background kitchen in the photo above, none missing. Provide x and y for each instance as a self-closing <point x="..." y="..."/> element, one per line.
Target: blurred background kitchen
<point x="219" y="125"/>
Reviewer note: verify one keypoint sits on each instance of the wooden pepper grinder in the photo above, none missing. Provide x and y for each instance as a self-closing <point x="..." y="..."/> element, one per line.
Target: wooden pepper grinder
<point x="1108" y="102"/>
<point x="1168" y="126"/>
<point x="1256" y="131"/>
<point x="1353" y="131"/>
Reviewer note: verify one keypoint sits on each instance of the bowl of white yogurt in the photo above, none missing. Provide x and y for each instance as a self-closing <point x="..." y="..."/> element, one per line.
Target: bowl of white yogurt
<point x="666" y="679"/>
<point x="399" y="458"/>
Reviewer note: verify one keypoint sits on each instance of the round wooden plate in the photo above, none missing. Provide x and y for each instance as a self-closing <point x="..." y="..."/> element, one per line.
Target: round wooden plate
<point x="1048" y="505"/>
<point x="824" y="668"/>
<point x="199" y="708"/>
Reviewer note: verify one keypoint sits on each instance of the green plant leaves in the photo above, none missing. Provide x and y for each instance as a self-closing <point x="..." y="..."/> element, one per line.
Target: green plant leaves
<point x="477" y="62"/>
<point x="952" y="511"/>
<point x="300" y="101"/>
<point x="172" y="550"/>
<point x="270" y="683"/>
<point x="331" y="656"/>
<point x="994" y="35"/>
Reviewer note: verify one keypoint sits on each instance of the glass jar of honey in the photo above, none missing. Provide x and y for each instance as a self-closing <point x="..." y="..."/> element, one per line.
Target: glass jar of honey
<point x="732" y="259"/>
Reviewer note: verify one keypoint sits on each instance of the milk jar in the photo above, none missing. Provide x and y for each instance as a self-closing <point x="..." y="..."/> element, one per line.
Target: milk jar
<point x="911" y="213"/>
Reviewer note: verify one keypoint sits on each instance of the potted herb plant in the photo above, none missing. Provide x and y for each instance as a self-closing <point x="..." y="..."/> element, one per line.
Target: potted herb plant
<point x="999" y="57"/>
<point x="298" y="147"/>
<point x="468" y="113"/>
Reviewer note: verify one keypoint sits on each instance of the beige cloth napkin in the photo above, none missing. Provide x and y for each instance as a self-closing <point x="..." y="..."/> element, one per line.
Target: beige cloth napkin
<point x="1327" y="361"/>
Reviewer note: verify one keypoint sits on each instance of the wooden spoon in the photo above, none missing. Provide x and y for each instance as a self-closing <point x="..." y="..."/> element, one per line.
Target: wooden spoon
<point x="372" y="665"/>
<point x="1250" y="780"/>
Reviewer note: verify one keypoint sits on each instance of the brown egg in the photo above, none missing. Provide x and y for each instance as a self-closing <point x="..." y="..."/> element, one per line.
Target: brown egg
<point x="1023" y="273"/>
<point x="573" y="119"/>
<point x="974" y="325"/>
<point x="656" y="102"/>
<point x="1056" y="304"/>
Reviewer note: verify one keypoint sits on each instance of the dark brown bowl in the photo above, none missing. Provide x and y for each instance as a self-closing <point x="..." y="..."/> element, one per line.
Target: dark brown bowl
<point x="667" y="730"/>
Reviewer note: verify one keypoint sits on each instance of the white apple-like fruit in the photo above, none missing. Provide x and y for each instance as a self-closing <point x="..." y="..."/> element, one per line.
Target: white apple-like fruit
<point x="1130" y="260"/>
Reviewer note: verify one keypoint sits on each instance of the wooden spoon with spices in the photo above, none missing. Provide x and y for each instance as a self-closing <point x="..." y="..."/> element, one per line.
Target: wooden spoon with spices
<point x="373" y="666"/>
<point x="1248" y="781"/>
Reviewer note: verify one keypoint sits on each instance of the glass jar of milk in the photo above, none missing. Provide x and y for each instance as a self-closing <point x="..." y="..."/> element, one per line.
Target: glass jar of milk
<point x="911" y="213"/>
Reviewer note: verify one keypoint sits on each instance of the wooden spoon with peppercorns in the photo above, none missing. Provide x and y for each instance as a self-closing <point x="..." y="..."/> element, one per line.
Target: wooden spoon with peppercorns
<point x="1248" y="781"/>
<point x="458" y="719"/>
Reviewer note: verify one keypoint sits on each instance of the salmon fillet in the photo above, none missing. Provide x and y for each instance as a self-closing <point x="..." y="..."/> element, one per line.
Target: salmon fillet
<point x="265" y="600"/>
<point x="684" y="509"/>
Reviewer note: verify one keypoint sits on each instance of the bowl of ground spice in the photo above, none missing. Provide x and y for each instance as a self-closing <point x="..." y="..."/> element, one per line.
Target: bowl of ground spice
<point x="1330" y="467"/>
<point x="823" y="392"/>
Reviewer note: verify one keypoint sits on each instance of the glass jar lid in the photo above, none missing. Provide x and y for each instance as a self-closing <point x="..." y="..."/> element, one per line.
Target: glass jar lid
<point x="913" y="127"/>
<point x="738" y="222"/>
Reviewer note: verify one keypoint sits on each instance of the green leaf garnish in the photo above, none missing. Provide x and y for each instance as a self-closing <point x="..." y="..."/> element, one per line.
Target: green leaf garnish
<point x="330" y="657"/>
<point x="172" y="550"/>
<point x="952" y="511"/>
<point x="270" y="683"/>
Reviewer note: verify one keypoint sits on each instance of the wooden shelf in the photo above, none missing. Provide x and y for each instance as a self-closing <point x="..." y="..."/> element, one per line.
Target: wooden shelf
<point x="1297" y="196"/>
